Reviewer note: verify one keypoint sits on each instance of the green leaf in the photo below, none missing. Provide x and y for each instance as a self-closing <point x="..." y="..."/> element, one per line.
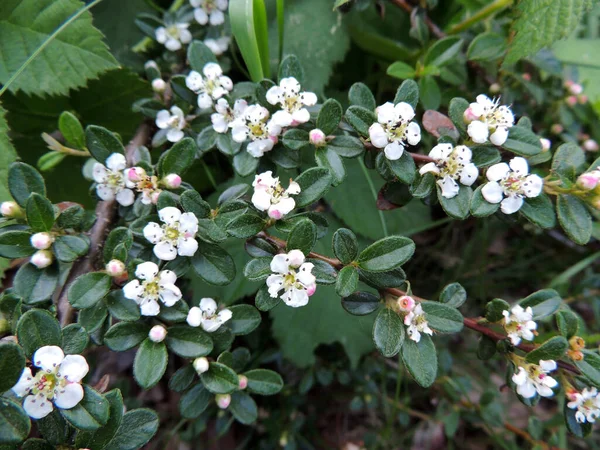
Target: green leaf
<point x="32" y="22"/>
<point x="15" y="244"/>
<point x="443" y="318"/>
<point x="480" y="207"/>
<point x="24" y="180"/>
<point x="137" y="428"/>
<point x="360" y="119"/>
<point x="88" y="289"/>
<point x="400" y="70"/>
<point x="431" y="95"/>
<point x="126" y="335"/>
<point x="227" y="145"/>
<point x="404" y="168"/>
<point x="346" y="146"/>
<point x="486" y="47"/>
<point x="122" y="308"/>
<point x="8" y="155"/>
<point x="207" y="138"/>
<point x="568" y="161"/>
<point x="567" y="323"/>
<point x="361" y="303"/>
<point x="71" y="129"/>
<point x="264" y="382"/>
<point x="443" y="51"/>
<point x="182" y="378"/>
<point x="543" y="22"/>
<point x="93" y="318"/>
<point x="453" y="295"/>
<point x="245" y="319"/>
<point x="245" y="226"/>
<point x="486" y="348"/>
<point x="388" y="332"/>
<point x="90" y="413"/>
<point x="150" y="363"/>
<point x="195" y="401"/>
<point x="40" y="213"/>
<point x="539" y="211"/>
<point x="590" y="366"/>
<point x="245" y="164"/>
<point x="14" y="422"/>
<point x="456" y="111"/>
<point x="457" y="207"/>
<point x="35" y="285"/>
<point x="522" y="141"/>
<point x="68" y="248"/>
<point x="423" y="187"/>
<point x="544" y="303"/>
<point x="290" y="67"/>
<point x="302" y="236"/>
<point x="188" y="342"/>
<point x="213" y="264"/>
<point x="347" y="281"/>
<point x="12" y="362"/>
<point x="178" y="158"/>
<point x="360" y="95"/>
<point x="219" y="379"/>
<point x="484" y="155"/>
<point x="407" y="92"/>
<point x="37" y="328"/>
<point x="554" y="348"/>
<point x="580" y="430"/>
<point x="330" y="116"/>
<point x="97" y="440"/>
<point x="295" y="139"/>
<point x="192" y="201"/>
<point x="199" y="55"/>
<point x="102" y="143"/>
<point x="263" y="301"/>
<point x="74" y="339"/>
<point x="386" y="254"/>
<point x="243" y="408"/>
<point x="345" y="245"/>
<point x="249" y="27"/>
<point x="314" y="183"/>
<point x="258" y="269"/>
<point x="420" y="359"/>
<point x="574" y="218"/>
<point x="323" y="272"/>
<point x="330" y="160"/>
<point x="493" y="310"/>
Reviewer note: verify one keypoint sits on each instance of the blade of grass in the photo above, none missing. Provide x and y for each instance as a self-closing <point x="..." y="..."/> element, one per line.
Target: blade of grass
<point x="280" y="25"/>
<point x="261" y="31"/>
<point x="246" y="16"/>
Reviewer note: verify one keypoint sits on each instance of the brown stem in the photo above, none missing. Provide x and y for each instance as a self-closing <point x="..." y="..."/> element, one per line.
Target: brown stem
<point x="106" y="212"/>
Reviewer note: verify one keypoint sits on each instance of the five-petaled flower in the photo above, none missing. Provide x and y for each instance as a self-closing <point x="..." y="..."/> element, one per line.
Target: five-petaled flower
<point x="534" y="378"/>
<point x="112" y="183"/>
<point x="518" y="324"/>
<point x="270" y="196"/>
<point x="218" y="46"/>
<point x="587" y="404"/>
<point x="57" y="382"/>
<point x="487" y="116"/>
<point x="255" y="125"/>
<point x="416" y="323"/>
<point x="293" y="276"/>
<point x="225" y="116"/>
<point x="394" y="129"/>
<point x="209" y="11"/>
<point x="176" y="236"/>
<point x="207" y="317"/>
<point x="291" y="101"/>
<point x="510" y="183"/>
<point x="146" y="184"/>
<point x="173" y="122"/>
<point x="451" y="164"/>
<point x="155" y="285"/>
<point x="173" y="36"/>
<point x="210" y="86"/>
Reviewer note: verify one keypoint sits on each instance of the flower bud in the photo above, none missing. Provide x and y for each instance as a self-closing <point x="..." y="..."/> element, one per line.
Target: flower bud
<point x="159" y="85"/>
<point x="556" y="128"/>
<point x="115" y="268"/>
<point x="406" y="303"/>
<point x="469" y="116"/>
<point x="172" y="181"/>
<point x="571" y="100"/>
<point x="135" y="174"/>
<point x="223" y="400"/>
<point x="575" y="355"/>
<point x="527" y="76"/>
<point x="158" y="333"/>
<point x="495" y="88"/>
<point x="317" y="137"/>
<point x="42" y="259"/>
<point x="11" y="210"/>
<point x="150" y="65"/>
<point x="590" y="145"/>
<point x="575" y="89"/>
<point x="546" y="144"/>
<point x="201" y="365"/>
<point x="577" y="343"/>
<point x="589" y="180"/>
<point x="583" y="99"/>
<point x="243" y="382"/>
<point x="41" y="241"/>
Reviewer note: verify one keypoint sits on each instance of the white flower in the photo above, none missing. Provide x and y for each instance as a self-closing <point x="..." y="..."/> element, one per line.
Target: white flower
<point x="56" y="383"/>
<point x="145" y="184"/>
<point x="254" y="125"/>
<point x="41" y="241"/>
<point x="417" y="323"/>
<point x="157" y="333"/>
<point x="212" y="86"/>
<point x="271" y="197"/>
<point x="174" y="122"/>
<point x="176" y="236"/>
<point x="42" y="259"/>
<point x="294" y="276"/>
<point x="292" y="102"/>
<point x="207" y="317"/>
<point x="488" y="116"/>
<point x="209" y="11"/>
<point x="173" y="36"/>
<point x="513" y="182"/>
<point x="394" y="129"/>
<point x="518" y="324"/>
<point x="451" y="164"/>
<point x="218" y="46"/>
<point x="533" y="378"/>
<point x="587" y="404"/>
<point x="155" y="285"/>
<point x="112" y="183"/>
<point x="226" y="116"/>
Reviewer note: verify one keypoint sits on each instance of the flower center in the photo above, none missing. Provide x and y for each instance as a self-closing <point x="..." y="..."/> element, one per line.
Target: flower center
<point x="114" y="179"/>
<point x="151" y="288"/>
<point x="209" y="6"/>
<point x="512" y="184"/>
<point x="46" y="384"/>
<point x="397" y="131"/>
<point x="291" y="103"/>
<point x="174" y="122"/>
<point x="173" y="31"/>
<point x="258" y="131"/>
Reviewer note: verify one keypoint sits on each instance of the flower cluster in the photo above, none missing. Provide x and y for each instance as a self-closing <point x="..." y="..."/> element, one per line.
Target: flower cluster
<point x="292" y="101"/>
<point x="294" y="276"/>
<point x="176" y="236"/>
<point x="173" y="122"/>
<point x="451" y="164"/>
<point x="414" y="319"/>
<point x="209" y="11"/>
<point x="207" y="317"/>
<point x="394" y="129"/>
<point x="488" y="119"/>
<point x="155" y="285"/>
<point x="518" y="324"/>
<point x="587" y="404"/>
<point x="57" y="382"/>
<point x="210" y="85"/>
<point x="533" y="379"/>
<point x="112" y="184"/>
<point x="174" y="36"/>
<point x="270" y="196"/>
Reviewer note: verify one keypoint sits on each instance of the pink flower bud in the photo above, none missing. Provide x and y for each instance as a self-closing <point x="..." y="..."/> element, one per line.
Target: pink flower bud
<point x="159" y="85"/>
<point x="243" y="382"/>
<point x="556" y="128"/>
<point x="571" y="100"/>
<point x="495" y="88"/>
<point x="310" y="290"/>
<point x="115" y="268"/>
<point x="583" y="99"/>
<point x="42" y="259"/>
<point x="41" y="241"/>
<point x="317" y="137"/>
<point x="568" y="84"/>
<point x="406" y="303"/>
<point x="136" y="174"/>
<point x="172" y="181"/>
<point x="590" y="145"/>
<point x="575" y="89"/>
<point x="588" y="181"/>
<point x="275" y="214"/>
<point x="527" y="76"/>
<point x="469" y="116"/>
<point x="158" y="333"/>
<point x="223" y="400"/>
<point x="11" y="209"/>
<point x="546" y="144"/>
<point x="201" y="365"/>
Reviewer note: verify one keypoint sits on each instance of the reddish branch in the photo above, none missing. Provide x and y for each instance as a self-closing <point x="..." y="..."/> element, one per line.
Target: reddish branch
<point x="106" y="212"/>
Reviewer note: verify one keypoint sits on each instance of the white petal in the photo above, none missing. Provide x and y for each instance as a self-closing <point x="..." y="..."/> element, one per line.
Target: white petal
<point x="169" y="215"/>
<point x="210" y="325"/>
<point x="548" y="365"/>
<point x="149" y="308"/>
<point x="208" y="306"/>
<point x="167" y="277"/>
<point x="404" y="111"/>
<point x="239" y="133"/>
<point x="441" y="151"/>
<point x="449" y="187"/>
<point x="175" y="135"/>
<point x="274" y="95"/>
<point x="283" y="118"/>
<point x="146" y="270"/>
<point x="204" y="101"/>
<point x="295" y="298"/>
<point x="224" y="315"/>
<point x="133" y="290"/>
<point x="74" y="368"/>
<point x="386" y="113"/>
<point x="185" y="36"/>
<point x="429" y="167"/>
<point x="511" y="204"/>
<point x="125" y="197"/>
<point x="304" y="274"/>
<point x="169" y="294"/>
<point x="69" y="396"/>
<point x="274" y="283"/>
<point x="165" y="251"/>
<point x="497" y="171"/>
<point x="279" y="264"/>
<point x="116" y="162"/>
<point x="105" y="193"/>
<point x="520" y="377"/>
<point x="221" y="4"/>
<point x="173" y="44"/>
<point x="37" y="407"/>
<point x="261" y="199"/>
<point x="200" y="16"/>
<point x="393" y="151"/>
<point x="308" y="98"/>
<point x="187" y="246"/>
<point x="99" y="173"/>
<point x="519" y="165"/>
<point x="478" y="131"/>
<point x="212" y="70"/>
<point x="469" y="174"/>
<point x="48" y="357"/>
<point x="24" y="384"/>
<point x="194" y="81"/>
<point x="161" y="35"/>
<point x="295" y="258"/>
<point x="194" y="317"/>
<point x="464" y="153"/>
<point x="217" y="17"/>
<point x="499" y="136"/>
<point x="188" y="223"/>
<point x="544" y="391"/>
<point x="533" y="186"/>
<point x="162" y="119"/>
<point x="492" y="192"/>
<point x="285" y="206"/>
<point x="153" y="232"/>
<point x="300" y="116"/>
<point x="219" y="123"/>
<point x="526" y="390"/>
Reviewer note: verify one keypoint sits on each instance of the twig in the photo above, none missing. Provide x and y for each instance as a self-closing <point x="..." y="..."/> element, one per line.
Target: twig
<point x="105" y="215"/>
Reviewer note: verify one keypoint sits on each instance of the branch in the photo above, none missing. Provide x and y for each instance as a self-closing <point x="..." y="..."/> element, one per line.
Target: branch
<point x="106" y="212"/>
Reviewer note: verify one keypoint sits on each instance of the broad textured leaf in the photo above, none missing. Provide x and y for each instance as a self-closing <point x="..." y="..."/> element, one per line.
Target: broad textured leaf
<point x="150" y="363"/>
<point x="574" y="218"/>
<point x="347" y="281"/>
<point x="35" y="285"/>
<point x="12" y="362"/>
<point x="386" y="254"/>
<point x="453" y="295"/>
<point x="37" y="328"/>
<point x="24" y="180"/>
<point x="388" y="332"/>
<point x="539" y="211"/>
<point x="443" y="318"/>
<point x="7" y="156"/>
<point x="360" y="95"/>
<point x="97" y="440"/>
<point x="195" y="401"/>
<point x="220" y="379"/>
<point x="361" y="303"/>
<point x="264" y="382"/>
<point x="243" y="408"/>
<point x="14" y="422"/>
<point x="245" y="319"/>
<point x="188" y="342"/>
<point x="137" y="428"/>
<point x="302" y="236"/>
<point x="420" y="359"/>
<point x="90" y="413"/>
<point x="554" y="348"/>
<point x="89" y="289"/>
